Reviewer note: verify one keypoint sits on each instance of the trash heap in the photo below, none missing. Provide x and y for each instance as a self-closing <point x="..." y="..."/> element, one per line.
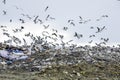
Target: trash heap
<point x="19" y="58"/>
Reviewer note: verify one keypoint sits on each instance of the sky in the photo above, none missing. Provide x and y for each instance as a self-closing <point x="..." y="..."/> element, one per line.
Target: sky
<point x="62" y="11"/>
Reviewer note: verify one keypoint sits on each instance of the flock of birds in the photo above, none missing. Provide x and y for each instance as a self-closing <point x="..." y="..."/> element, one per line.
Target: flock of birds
<point x="45" y="34"/>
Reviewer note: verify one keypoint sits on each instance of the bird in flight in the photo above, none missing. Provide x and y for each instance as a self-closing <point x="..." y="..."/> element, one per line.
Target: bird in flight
<point x="10" y="20"/>
<point x="22" y="21"/>
<point x="103" y="16"/>
<point x="80" y="18"/>
<point x="72" y="23"/>
<point x="54" y="34"/>
<point x="3" y="26"/>
<point x="91" y="27"/>
<point x="78" y="35"/>
<point x="40" y="21"/>
<point x="35" y="20"/>
<point x="100" y="29"/>
<point x="7" y="34"/>
<point x="45" y="26"/>
<point x="54" y="30"/>
<point x="105" y="39"/>
<point x="52" y="18"/>
<point x="65" y="28"/>
<point x="47" y="17"/>
<point x="91" y="36"/>
<point x="4" y="12"/>
<point x="61" y="36"/>
<point x="46" y="8"/>
<point x="4" y="1"/>
<point x="22" y="27"/>
<point x="70" y="20"/>
<point x="90" y="41"/>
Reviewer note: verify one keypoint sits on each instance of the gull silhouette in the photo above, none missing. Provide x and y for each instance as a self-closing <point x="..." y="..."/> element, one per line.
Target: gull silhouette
<point x="46" y="8"/>
<point x="100" y="29"/>
<point x="4" y="1"/>
<point x="4" y="12"/>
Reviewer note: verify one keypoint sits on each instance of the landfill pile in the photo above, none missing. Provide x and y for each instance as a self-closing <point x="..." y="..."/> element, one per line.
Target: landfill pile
<point x="13" y="58"/>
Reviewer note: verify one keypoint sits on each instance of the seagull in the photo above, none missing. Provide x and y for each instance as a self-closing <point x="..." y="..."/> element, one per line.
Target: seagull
<point x="78" y="35"/>
<point x="40" y="21"/>
<point x="28" y="17"/>
<point x="91" y="27"/>
<point x="23" y="14"/>
<point x="52" y="18"/>
<point x="61" y="36"/>
<point x="91" y="36"/>
<point x="16" y="40"/>
<point x="45" y="33"/>
<point x="25" y="43"/>
<point x="4" y="30"/>
<point x="4" y="1"/>
<point x="22" y="27"/>
<point x="90" y="41"/>
<point x="100" y="29"/>
<point x="8" y="41"/>
<point x="35" y="20"/>
<point x="46" y="26"/>
<point x="18" y="30"/>
<point x="46" y="8"/>
<point x="17" y="8"/>
<point x="47" y="17"/>
<point x="103" y="28"/>
<point x="7" y="34"/>
<point x="22" y="21"/>
<point x="69" y="41"/>
<point x="105" y="39"/>
<point x="28" y="34"/>
<point x="10" y="20"/>
<point x="54" y="34"/>
<point x="86" y="21"/>
<point x="104" y="15"/>
<point x="3" y="26"/>
<point x="80" y="22"/>
<point x="15" y="30"/>
<point x="72" y="23"/>
<point x="80" y="18"/>
<point x="65" y="28"/>
<point x="4" y="12"/>
<point x="54" y="30"/>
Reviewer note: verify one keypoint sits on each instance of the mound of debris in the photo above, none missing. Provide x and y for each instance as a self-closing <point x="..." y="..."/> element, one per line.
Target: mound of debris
<point x="32" y="59"/>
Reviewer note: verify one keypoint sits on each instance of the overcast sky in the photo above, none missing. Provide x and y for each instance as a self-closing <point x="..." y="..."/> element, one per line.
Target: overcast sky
<point x="62" y="11"/>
